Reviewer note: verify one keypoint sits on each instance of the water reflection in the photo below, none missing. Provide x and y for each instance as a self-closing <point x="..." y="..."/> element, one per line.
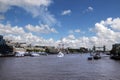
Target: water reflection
<point x="69" y="67"/>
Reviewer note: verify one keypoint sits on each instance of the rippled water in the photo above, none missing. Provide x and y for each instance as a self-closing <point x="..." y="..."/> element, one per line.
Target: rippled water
<point x="69" y="67"/>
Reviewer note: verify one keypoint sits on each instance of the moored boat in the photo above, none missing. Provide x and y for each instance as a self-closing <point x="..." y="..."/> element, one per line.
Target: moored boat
<point x="97" y="57"/>
<point x="90" y="58"/>
<point x="19" y="54"/>
<point x="33" y="54"/>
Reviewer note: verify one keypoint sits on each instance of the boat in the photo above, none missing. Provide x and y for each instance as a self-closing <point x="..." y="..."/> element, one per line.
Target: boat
<point x="90" y="58"/>
<point x="33" y="54"/>
<point x="97" y="57"/>
<point x="19" y="54"/>
<point x="115" y="57"/>
<point x="60" y="54"/>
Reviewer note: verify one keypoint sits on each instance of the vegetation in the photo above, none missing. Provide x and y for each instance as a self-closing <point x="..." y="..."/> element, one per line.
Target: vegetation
<point x="81" y="50"/>
<point x="34" y="50"/>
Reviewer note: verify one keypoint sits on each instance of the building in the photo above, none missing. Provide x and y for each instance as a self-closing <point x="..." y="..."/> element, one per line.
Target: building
<point x="5" y="49"/>
<point x="115" y="50"/>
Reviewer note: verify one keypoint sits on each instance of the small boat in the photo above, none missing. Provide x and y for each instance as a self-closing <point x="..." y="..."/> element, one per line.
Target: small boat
<point x="115" y="57"/>
<point x="97" y="57"/>
<point x="19" y="54"/>
<point x="60" y="54"/>
<point x="0" y="54"/>
<point x="34" y="54"/>
<point x="90" y="58"/>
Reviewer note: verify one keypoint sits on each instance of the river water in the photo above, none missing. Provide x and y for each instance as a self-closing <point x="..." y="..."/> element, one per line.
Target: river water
<point x="51" y="67"/>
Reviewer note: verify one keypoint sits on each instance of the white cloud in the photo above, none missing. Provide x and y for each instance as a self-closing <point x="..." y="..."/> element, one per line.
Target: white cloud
<point x="105" y="34"/>
<point x="18" y="34"/>
<point x="71" y="37"/>
<point x="29" y="38"/>
<point x="90" y="8"/>
<point x="66" y="12"/>
<point x="75" y="31"/>
<point x="8" y="29"/>
<point x="41" y="29"/>
<point x="73" y="42"/>
<point x="106" y="31"/>
<point x="112" y="23"/>
<point x="6" y="4"/>
<point x="38" y="8"/>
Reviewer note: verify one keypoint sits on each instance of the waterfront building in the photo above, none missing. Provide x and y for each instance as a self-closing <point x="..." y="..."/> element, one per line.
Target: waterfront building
<point x="5" y="49"/>
<point x="99" y="49"/>
<point x="2" y="41"/>
<point x="115" y="50"/>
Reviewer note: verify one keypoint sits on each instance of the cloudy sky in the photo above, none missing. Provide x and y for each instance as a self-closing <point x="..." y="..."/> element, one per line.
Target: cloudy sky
<point x="76" y="23"/>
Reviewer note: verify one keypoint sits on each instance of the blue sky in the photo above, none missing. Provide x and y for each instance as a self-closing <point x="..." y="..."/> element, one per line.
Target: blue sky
<point x="63" y="18"/>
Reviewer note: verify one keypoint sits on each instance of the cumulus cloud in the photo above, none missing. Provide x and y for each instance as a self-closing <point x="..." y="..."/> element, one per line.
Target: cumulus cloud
<point x="106" y="30"/>
<point x="18" y="34"/>
<point x="112" y="23"/>
<point x="106" y="33"/>
<point x="41" y="29"/>
<point x="8" y="29"/>
<point x="75" y="42"/>
<point x="66" y="12"/>
<point x="38" y="8"/>
<point x="29" y="38"/>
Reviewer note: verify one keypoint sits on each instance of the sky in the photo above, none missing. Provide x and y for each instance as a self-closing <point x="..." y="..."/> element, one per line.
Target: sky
<point x="75" y="23"/>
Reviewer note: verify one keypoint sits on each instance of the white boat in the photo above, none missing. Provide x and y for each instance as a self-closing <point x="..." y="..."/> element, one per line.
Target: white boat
<point x="19" y="54"/>
<point x="60" y="54"/>
<point x="0" y="54"/>
<point x="34" y="54"/>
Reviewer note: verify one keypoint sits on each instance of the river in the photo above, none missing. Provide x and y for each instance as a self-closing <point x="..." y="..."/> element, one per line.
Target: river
<point x="51" y="67"/>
